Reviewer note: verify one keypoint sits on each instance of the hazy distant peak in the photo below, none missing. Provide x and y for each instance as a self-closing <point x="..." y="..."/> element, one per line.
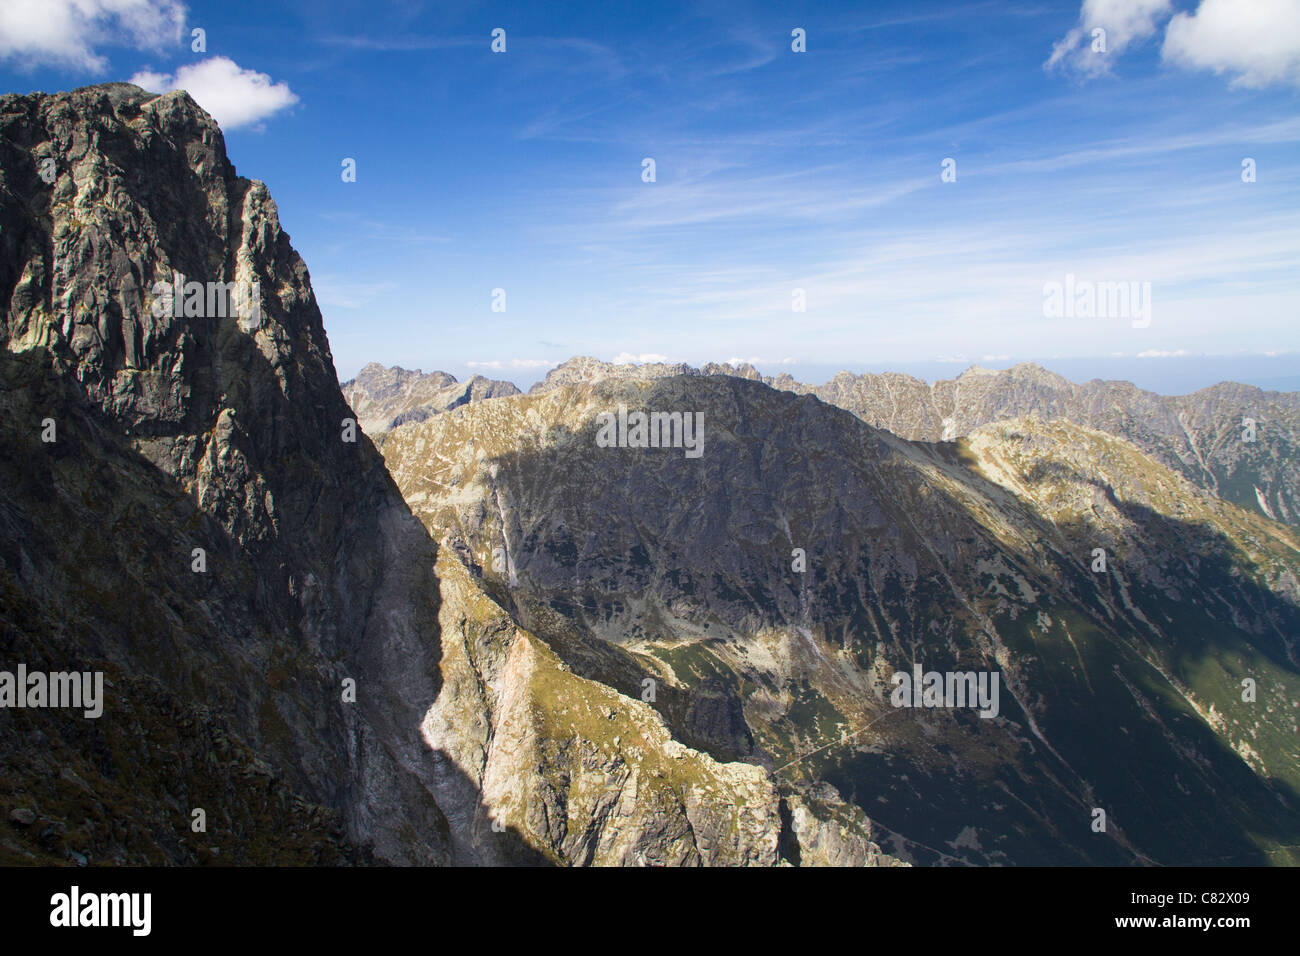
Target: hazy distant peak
<point x="586" y="370"/>
<point x="384" y="398"/>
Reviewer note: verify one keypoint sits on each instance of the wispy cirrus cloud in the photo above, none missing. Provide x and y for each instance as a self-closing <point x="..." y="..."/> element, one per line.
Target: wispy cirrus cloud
<point x="645" y="358"/>
<point x="373" y="229"/>
<point x="1121" y="22"/>
<point x="499" y="364"/>
<point x="334" y="291"/>
<point x="398" y="43"/>
<point x="755" y="360"/>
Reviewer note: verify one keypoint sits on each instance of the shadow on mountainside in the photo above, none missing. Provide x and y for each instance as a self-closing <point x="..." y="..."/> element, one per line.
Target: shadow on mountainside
<point x="208" y="674"/>
<point x="704" y="536"/>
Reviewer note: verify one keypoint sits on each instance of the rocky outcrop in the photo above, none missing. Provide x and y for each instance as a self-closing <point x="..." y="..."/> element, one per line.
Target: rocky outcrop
<point x="385" y="398"/>
<point x="823" y="830"/>
<point x="582" y="370"/>
<point x="211" y="431"/>
<point x="568" y="770"/>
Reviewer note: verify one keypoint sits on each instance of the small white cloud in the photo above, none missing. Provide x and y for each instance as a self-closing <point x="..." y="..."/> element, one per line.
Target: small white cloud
<point x="1158" y="353"/>
<point x="627" y="358"/>
<point x="1258" y="41"/>
<point x="234" y="97"/>
<point x="952" y="358"/>
<point x="63" y="33"/>
<point x="759" y="361"/>
<point x="1124" y="22"/>
<point x="512" y="363"/>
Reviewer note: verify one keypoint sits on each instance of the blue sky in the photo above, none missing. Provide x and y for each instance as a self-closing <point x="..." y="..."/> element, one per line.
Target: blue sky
<point x="775" y="171"/>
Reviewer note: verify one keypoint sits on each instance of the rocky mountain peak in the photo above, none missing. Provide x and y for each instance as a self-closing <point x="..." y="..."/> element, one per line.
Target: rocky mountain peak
<point x="199" y="427"/>
<point x="584" y="369"/>
<point x="385" y="398"/>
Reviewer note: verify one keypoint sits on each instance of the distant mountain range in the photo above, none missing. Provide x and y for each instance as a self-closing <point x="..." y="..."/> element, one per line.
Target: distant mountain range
<point x="385" y="398"/>
<point x="1203" y="436"/>
<point x="1122" y="685"/>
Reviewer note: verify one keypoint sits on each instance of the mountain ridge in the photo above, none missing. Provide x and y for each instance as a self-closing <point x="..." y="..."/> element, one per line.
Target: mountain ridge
<point x="1192" y="433"/>
<point x="385" y="398"/>
<point x="628" y="561"/>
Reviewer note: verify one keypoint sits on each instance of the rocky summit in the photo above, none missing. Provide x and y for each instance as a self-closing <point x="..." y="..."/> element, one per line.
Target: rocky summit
<point x="417" y="621"/>
<point x="190" y="521"/>
<point x="384" y="398"/>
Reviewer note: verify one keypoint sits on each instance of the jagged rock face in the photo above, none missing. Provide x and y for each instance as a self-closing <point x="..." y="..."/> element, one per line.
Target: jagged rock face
<point x="1201" y="435"/>
<point x="585" y="370"/>
<point x="384" y="398"/>
<point x="1121" y="689"/>
<point x="825" y="831"/>
<point x="176" y="433"/>
<point x="568" y="770"/>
